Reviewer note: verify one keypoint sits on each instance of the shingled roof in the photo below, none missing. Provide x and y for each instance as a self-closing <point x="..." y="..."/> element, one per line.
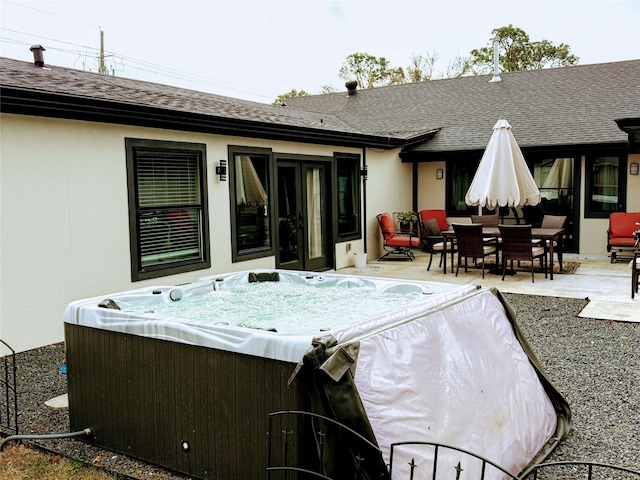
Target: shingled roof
<point x="547" y="109"/>
<point x="68" y="93"/>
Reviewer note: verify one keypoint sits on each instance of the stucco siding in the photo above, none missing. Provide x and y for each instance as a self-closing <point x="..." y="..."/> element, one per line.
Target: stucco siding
<point x="389" y="189"/>
<point x="65" y="230"/>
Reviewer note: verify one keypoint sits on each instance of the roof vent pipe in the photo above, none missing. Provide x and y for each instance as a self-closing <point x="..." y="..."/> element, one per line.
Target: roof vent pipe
<point x="38" y="56"/>
<point x="496" y="61"/>
<point x="351" y="85"/>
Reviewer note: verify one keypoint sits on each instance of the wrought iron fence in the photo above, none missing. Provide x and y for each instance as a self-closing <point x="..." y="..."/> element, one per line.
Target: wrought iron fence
<point x="308" y="445"/>
<point x="294" y="434"/>
<point x="436" y="460"/>
<point x="580" y="470"/>
<point x="8" y="390"/>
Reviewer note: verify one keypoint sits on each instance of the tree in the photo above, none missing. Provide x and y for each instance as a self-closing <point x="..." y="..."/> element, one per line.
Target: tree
<point x="421" y="67"/>
<point x="328" y="89"/>
<point x="293" y="93"/>
<point x="370" y="71"/>
<point x="518" y="52"/>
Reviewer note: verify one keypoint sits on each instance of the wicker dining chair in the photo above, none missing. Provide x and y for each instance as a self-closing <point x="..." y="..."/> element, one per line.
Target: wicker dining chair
<point x="433" y="239"/>
<point x="554" y="221"/>
<point x="486" y="220"/>
<point x="471" y="244"/>
<point x="517" y="244"/>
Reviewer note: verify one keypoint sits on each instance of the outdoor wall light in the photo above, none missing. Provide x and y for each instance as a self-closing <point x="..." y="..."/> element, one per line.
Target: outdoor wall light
<point x="633" y="169"/>
<point x="439" y="173"/>
<point x="221" y="170"/>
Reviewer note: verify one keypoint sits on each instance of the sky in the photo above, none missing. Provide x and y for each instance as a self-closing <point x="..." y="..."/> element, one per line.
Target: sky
<point x="258" y="50"/>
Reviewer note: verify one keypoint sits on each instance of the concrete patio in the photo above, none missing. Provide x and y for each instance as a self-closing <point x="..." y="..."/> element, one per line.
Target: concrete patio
<point x="606" y="285"/>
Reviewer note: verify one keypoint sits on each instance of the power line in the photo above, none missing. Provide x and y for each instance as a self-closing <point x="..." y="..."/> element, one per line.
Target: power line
<point x="22" y="5"/>
<point x="120" y="62"/>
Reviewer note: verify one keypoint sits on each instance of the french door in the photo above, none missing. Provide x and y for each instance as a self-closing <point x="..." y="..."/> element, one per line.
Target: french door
<point x="304" y="213"/>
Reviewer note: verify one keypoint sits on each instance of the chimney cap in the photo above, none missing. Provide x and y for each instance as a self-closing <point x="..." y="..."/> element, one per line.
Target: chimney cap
<point x="38" y="57"/>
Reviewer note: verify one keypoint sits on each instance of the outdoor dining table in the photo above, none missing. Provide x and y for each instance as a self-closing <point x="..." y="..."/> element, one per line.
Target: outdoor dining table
<point x="544" y="234"/>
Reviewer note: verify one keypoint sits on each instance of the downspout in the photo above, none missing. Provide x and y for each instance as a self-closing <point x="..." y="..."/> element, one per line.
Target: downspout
<point x="414" y="185"/>
<point x="363" y="174"/>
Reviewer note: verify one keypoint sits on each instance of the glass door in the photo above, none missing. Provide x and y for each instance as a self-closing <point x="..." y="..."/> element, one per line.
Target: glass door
<point x="557" y="181"/>
<point x="303" y="214"/>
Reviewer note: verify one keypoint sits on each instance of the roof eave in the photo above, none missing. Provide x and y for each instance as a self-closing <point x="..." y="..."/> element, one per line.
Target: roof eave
<point x="632" y="128"/>
<point x="44" y="104"/>
<point x="556" y="150"/>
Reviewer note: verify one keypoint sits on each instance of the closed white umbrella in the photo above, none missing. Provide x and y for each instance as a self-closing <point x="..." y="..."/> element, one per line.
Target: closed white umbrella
<point x="503" y="178"/>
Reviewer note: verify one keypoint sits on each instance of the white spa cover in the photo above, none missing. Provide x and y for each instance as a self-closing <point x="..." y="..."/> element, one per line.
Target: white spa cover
<point x="456" y="376"/>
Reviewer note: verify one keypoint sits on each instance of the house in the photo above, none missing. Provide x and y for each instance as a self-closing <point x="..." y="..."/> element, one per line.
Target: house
<point x="109" y="184"/>
<point x="571" y="124"/>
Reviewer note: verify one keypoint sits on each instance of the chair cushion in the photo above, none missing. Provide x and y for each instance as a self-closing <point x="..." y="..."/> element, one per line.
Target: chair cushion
<point x="623" y="224"/>
<point x="432" y="226"/>
<point x="403" y="241"/>
<point x="622" y="242"/>
<point x="437" y="247"/>
<point x="386" y="222"/>
<point x="488" y="249"/>
<point x="439" y="215"/>
<point x="535" y="251"/>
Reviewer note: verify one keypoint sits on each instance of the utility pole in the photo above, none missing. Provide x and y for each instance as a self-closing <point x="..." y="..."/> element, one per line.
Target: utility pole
<point x="102" y="69"/>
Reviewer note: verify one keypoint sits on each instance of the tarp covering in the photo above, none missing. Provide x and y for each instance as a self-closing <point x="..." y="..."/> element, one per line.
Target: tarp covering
<point x="461" y="374"/>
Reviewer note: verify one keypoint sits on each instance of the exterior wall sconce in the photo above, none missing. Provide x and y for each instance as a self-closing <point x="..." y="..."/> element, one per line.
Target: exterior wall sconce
<point x="364" y="172"/>
<point x="221" y="170"/>
<point x="439" y="173"/>
<point x="633" y="169"/>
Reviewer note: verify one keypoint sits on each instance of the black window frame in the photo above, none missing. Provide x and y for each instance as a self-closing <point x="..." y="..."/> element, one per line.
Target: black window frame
<point x="135" y="148"/>
<point x="469" y="164"/>
<point x="238" y="255"/>
<point x="352" y="163"/>
<point x="589" y="210"/>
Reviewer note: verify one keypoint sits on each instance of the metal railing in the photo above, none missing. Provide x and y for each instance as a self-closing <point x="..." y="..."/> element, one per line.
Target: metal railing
<point x="430" y="465"/>
<point x="580" y="470"/>
<point x="298" y="446"/>
<point x="8" y="390"/>
<point x="407" y="460"/>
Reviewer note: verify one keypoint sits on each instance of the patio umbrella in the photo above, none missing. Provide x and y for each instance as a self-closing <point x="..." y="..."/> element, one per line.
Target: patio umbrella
<point x="503" y="178"/>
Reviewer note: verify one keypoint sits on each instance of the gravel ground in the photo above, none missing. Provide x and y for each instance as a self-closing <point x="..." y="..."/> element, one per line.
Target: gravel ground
<point x="595" y="365"/>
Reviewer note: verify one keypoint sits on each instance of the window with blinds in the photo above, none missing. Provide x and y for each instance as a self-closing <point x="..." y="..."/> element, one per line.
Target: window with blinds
<point x="168" y="215"/>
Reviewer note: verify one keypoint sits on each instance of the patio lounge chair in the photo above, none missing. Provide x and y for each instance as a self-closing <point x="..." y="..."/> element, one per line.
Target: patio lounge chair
<point x="620" y="236"/>
<point x="396" y="244"/>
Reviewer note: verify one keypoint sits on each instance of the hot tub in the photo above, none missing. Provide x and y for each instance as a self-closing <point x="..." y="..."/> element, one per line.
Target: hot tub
<point x="186" y="376"/>
<point x="192" y="391"/>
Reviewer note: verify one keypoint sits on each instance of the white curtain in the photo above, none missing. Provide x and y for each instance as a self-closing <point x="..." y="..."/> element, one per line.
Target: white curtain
<point x="314" y="213"/>
<point x="560" y="178"/>
<point x="249" y="188"/>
